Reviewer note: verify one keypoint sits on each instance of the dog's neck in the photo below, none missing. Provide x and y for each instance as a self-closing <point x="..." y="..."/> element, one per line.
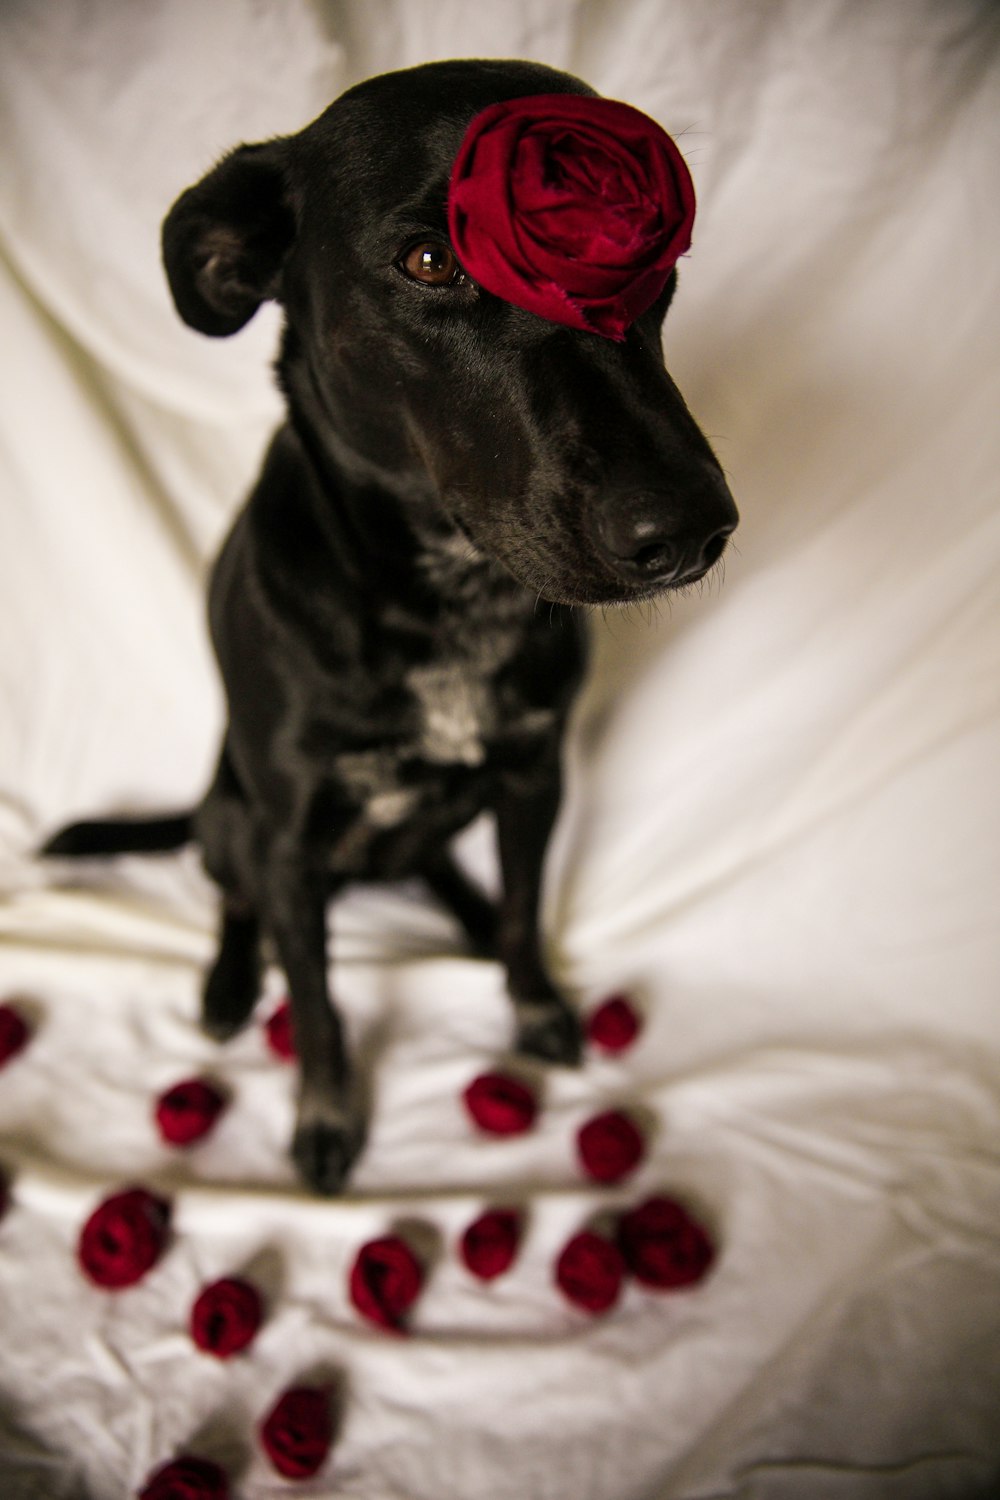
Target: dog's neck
<point x="390" y="532"/>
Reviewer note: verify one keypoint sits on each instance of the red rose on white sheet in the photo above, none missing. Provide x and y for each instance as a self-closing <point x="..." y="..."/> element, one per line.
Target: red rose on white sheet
<point x="14" y="1032"/>
<point x="226" y="1316"/>
<point x="589" y="1271"/>
<point x="489" y="1245"/>
<point x="610" y="1146"/>
<point x="385" y="1281"/>
<point x="297" y="1432"/>
<point x="186" y="1479"/>
<point x="187" y="1111"/>
<point x="500" y="1105"/>
<point x="663" y="1245"/>
<point x="124" y="1238"/>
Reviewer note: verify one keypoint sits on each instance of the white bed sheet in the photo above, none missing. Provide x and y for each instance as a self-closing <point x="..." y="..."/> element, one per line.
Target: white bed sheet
<point x="780" y="833"/>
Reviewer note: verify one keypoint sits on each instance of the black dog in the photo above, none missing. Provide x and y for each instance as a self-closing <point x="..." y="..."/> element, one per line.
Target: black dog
<point x="449" y="460"/>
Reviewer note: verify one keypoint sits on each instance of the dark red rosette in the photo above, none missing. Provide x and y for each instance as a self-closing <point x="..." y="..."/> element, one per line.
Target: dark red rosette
<point x="14" y="1032"/>
<point x="226" y="1316"/>
<point x="124" y="1238"/>
<point x="613" y="1025"/>
<point x="590" y="1270"/>
<point x="297" y="1432"/>
<point x="385" y="1281"/>
<point x="186" y="1478"/>
<point x="573" y="207"/>
<point x="187" y="1111"/>
<point x="279" y="1032"/>
<point x="500" y="1105"/>
<point x="489" y="1245"/>
<point x="610" y="1146"/>
<point x="662" y="1245"/>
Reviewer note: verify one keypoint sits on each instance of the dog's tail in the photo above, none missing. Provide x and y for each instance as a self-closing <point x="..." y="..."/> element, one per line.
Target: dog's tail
<point x="121" y="836"/>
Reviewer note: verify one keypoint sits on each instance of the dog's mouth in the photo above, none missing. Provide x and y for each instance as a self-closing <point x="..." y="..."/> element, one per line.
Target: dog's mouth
<point x="574" y="575"/>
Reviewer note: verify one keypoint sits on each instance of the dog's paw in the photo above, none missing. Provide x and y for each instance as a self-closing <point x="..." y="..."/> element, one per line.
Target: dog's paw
<point x="324" y="1148"/>
<point x="229" y="996"/>
<point x="550" y="1031"/>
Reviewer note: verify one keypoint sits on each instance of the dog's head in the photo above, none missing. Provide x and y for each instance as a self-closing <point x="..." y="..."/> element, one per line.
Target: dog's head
<point x="569" y="457"/>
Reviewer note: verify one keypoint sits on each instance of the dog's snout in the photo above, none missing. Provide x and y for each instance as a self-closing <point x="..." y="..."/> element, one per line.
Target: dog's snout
<point x="648" y="538"/>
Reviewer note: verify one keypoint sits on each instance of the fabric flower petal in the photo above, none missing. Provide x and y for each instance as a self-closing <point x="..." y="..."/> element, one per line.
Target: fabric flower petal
<point x="610" y="1146"/>
<point x="663" y="1245"/>
<point x="572" y="207"/>
<point x="613" y="1025"/>
<point x="489" y="1245"/>
<point x="14" y="1032"/>
<point x="500" y="1104"/>
<point x="280" y="1033"/>
<point x="186" y="1478"/>
<point x="297" y="1432"/>
<point x="187" y="1111"/>
<point x="589" y="1271"/>
<point x="124" y="1238"/>
<point x="385" y="1281"/>
<point x="226" y="1316"/>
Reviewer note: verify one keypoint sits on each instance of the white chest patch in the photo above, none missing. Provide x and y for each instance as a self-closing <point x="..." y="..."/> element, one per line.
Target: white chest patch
<point x="371" y="776"/>
<point x="456" y="711"/>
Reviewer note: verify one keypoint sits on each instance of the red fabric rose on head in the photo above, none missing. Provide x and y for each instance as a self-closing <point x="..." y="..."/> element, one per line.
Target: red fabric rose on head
<point x="489" y="1245"/>
<point x="663" y="1245"/>
<point x="226" y="1317"/>
<point x="280" y="1036"/>
<point x="124" y="1238"/>
<point x="14" y="1032"/>
<point x="573" y="207"/>
<point x="589" y="1271"/>
<point x="613" y="1025"/>
<point x="385" y="1281"/>
<point x="186" y="1479"/>
<point x="500" y="1105"/>
<point x="297" y="1432"/>
<point x="187" y="1111"/>
<point x="610" y="1146"/>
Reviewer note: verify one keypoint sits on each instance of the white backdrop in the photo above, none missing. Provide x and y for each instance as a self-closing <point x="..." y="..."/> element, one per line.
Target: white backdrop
<point x="781" y="833"/>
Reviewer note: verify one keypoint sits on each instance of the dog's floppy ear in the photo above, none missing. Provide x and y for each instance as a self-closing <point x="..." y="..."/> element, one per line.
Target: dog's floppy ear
<point x="225" y="240"/>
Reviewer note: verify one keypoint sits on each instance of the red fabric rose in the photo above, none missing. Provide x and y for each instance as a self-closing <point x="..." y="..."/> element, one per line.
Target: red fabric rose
<point x="226" y="1316"/>
<point x="489" y="1245"/>
<point x="663" y="1246"/>
<point x="613" y="1025"/>
<point x="610" y="1146"/>
<point x="186" y="1479"/>
<point x="14" y="1032"/>
<point x="500" y="1105"/>
<point x="187" y="1111"/>
<point x="280" y="1035"/>
<point x="385" y="1281"/>
<point x="297" y="1432"/>
<point x="573" y="207"/>
<point x="589" y="1271"/>
<point x="124" y="1238"/>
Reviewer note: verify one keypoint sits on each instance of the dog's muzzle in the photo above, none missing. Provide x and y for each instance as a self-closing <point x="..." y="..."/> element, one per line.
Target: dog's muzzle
<point x="653" y="540"/>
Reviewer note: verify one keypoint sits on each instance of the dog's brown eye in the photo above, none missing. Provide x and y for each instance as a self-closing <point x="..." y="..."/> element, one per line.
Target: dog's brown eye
<point x="433" y="264"/>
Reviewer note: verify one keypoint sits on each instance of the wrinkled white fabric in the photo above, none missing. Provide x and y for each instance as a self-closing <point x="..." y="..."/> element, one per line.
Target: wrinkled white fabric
<point x="781" y="831"/>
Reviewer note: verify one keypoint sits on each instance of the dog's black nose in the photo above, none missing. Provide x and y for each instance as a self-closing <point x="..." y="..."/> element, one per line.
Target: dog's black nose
<point x="648" y="538"/>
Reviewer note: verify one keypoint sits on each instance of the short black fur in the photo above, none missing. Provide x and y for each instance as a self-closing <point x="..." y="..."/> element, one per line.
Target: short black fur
<point x="449" y="461"/>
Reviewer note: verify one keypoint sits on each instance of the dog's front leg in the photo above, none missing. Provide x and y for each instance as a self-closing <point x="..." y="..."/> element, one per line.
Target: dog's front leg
<point x="329" y="1128"/>
<point x="526" y="810"/>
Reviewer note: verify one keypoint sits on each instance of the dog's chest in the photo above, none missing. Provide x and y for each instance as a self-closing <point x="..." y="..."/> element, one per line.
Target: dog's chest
<point x="456" y="701"/>
<point x="456" y="715"/>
